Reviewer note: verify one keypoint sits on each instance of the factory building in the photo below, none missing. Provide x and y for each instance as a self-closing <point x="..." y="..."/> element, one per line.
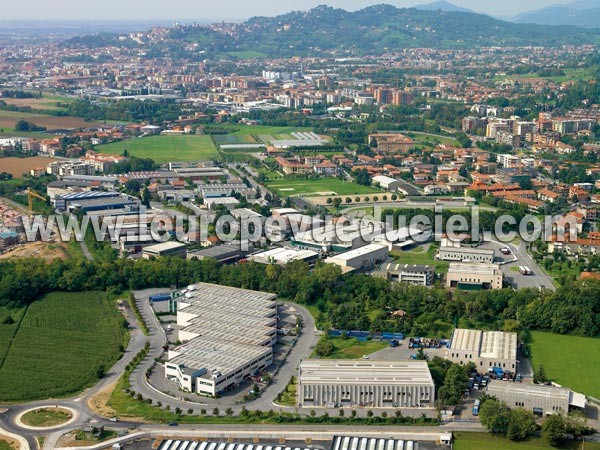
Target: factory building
<point x="227" y="333"/>
<point x="283" y="256"/>
<point x="387" y="183"/>
<point x="486" y="349"/>
<point x="474" y="276"/>
<point x="228" y="253"/>
<point x="465" y="254"/>
<point x="171" y="248"/>
<point x="361" y="258"/>
<point x="376" y="384"/>
<point x="407" y="273"/>
<point x="540" y="399"/>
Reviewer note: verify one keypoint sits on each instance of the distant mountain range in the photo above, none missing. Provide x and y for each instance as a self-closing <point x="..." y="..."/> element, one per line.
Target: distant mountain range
<point x="583" y="13"/>
<point x="378" y="29"/>
<point x="443" y="5"/>
<point x="336" y="32"/>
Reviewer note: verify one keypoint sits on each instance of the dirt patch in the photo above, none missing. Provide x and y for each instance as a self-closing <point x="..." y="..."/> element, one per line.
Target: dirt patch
<point x="98" y="403"/>
<point x="8" y="121"/>
<point x="18" y="166"/>
<point x="34" y="103"/>
<point x="46" y="250"/>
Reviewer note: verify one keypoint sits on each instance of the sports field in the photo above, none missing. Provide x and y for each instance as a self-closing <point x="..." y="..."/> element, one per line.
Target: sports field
<point x="64" y="343"/>
<point x="323" y="186"/>
<point x="571" y="361"/>
<point x="243" y="130"/>
<point x="165" y="148"/>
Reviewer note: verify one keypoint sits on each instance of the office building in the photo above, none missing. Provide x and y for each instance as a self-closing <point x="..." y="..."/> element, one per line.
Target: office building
<point x="466" y="254"/>
<point x="474" y="276"/>
<point x="408" y="273"/>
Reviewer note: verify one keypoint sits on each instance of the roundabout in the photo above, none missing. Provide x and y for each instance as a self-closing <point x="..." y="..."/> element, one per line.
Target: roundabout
<point x="46" y="418"/>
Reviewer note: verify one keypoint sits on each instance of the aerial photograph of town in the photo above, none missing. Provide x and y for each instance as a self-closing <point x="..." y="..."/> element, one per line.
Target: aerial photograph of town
<point x="309" y="225"/>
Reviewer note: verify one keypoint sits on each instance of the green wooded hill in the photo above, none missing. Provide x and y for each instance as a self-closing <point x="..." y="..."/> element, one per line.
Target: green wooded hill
<point x="376" y="30"/>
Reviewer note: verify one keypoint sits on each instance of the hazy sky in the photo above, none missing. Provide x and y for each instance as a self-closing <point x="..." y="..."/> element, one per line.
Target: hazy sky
<point x="221" y="9"/>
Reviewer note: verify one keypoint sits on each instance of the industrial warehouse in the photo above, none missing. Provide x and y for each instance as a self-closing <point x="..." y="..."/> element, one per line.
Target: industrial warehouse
<point x="485" y="349"/>
<point x="474" y="276"/>
<point x="377" y="384"/>
<point x="227" y="333"/>
<point x="539" y="399"/>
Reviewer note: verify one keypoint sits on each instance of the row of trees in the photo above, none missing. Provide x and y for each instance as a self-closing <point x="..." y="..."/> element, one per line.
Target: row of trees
<point x="519" y="424"/>
<point x="344" y="301"/>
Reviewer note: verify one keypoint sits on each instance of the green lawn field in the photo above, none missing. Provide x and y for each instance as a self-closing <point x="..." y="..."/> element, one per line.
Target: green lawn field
<point x="4" y="445"/>
<point x="486" y="441"/>
<point x="353" y="348"/>
<point x="424" y="138"/>
<point x="420" y="256"/>
<point x="165" y="148"/>
<point x="323" y="186"/>
<point x="65" y="341"/>
<point x="570" y="361"/>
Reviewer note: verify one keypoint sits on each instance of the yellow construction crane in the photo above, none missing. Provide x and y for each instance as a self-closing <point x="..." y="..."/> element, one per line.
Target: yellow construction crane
<point x="30" y="195"/>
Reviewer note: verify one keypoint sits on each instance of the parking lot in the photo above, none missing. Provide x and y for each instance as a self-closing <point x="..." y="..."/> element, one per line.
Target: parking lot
<point x="510" y="267"/>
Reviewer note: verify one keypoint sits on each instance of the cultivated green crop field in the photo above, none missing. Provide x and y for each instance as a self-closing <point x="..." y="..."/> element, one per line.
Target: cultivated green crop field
<point x="480" y="441"/>
<point x="570" y="361"/>
<point x="62" y="342"/>
<point x="165" y="148"/>
<point x="324" y="186"/>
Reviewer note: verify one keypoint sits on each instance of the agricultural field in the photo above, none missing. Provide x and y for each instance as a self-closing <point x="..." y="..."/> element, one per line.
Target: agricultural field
<point x="74" y="337"/>
<point x="47" y="102"/>
<point x="18" y="166"/>
<point x="319" y="187"/>
<point x="566" y="358"/>
<point x="9" y="322"/>
<point x="165" y="148"/>
<point x="478" y="441"/>
<point x="8" y="120"/>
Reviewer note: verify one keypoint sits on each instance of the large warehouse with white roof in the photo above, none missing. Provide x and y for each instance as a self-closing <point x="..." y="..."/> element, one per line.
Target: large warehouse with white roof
<point x="227" y="333"/>
<point x="484" y="348"/>
<point x="377" y="384"/>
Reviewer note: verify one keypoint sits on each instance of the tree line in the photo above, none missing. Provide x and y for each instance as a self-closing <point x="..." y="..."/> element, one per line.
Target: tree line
<point x="352" y="301"/>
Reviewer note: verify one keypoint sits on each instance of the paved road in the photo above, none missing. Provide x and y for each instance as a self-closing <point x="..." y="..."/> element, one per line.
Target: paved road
<point x="538" y="279"/>
<point x="86" y="251"/>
